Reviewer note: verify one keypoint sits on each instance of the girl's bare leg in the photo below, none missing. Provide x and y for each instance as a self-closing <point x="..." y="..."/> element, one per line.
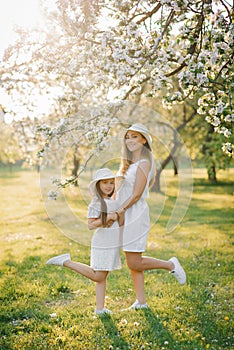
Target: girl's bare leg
<point x="86" y="270"/>
<point x="97" y="276"/>
<point x="100" y="294"/>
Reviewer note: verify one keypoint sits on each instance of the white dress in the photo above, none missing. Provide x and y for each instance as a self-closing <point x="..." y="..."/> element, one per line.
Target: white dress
<point x="105" y="245"/>
<point x="136" y="219"/>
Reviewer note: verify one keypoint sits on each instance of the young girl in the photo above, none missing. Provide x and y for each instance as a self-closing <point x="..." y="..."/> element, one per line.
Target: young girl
<point x="137" y="172"/>
<point x="105" y="251"/>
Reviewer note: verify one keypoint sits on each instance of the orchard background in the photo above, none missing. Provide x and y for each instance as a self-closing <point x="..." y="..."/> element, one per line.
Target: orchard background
<point x="70" y="84"/>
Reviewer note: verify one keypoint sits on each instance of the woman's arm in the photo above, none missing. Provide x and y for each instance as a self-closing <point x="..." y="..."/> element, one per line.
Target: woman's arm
<point x="139" y="186"/>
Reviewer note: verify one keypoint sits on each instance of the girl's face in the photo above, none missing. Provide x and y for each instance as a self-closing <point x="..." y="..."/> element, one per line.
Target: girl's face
<point x="134" y="141"/>
<point x="107" y="187"/>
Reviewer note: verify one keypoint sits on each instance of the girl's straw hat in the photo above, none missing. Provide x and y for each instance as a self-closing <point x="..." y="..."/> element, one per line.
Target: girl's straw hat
<point x="142" y="129"/>
<point x="100" y="174"/>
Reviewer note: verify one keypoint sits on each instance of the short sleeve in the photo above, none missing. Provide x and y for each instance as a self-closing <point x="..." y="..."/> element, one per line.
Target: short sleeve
<point x="94" y="210"/>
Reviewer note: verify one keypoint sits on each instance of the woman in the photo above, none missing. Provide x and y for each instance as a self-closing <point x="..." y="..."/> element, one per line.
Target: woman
<point x="137" y="173"/>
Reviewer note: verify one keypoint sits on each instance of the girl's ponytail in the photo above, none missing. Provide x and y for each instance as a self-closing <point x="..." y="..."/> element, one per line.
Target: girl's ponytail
<point x="103" y="204"/>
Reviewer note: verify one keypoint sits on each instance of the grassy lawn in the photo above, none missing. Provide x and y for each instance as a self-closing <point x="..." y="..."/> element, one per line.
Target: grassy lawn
<point x="49" y="307"/>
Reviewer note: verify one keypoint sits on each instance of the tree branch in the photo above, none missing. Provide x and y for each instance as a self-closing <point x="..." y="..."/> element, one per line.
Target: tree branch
<point x="192" y="48"/>
<point x="149" y="14"/>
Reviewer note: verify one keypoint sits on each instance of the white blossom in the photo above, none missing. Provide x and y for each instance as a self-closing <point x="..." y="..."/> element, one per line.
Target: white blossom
<point x="222" y="130"/>
<point x="52" y="195"/>
<point x="228" y="148"/>
<point x="220" y="107"/>
<point x="229" y="118"/>
<point x="216" y="121"/>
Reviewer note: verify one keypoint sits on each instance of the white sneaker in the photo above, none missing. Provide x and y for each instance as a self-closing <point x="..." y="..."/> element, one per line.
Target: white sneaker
<point x="59" y="260"/>
<point x="136" y="305"/>
<point x="178" y="271"/>
<point x="102" y="311"/>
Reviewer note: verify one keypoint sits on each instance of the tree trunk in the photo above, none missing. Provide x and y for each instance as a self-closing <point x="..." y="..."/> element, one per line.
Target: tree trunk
<point x="208" y="153"/>
<point x="156" y="186"/>
<point x="175" y="166"/>
<point x="76" y="165"/>
<point x="212" y="173"/>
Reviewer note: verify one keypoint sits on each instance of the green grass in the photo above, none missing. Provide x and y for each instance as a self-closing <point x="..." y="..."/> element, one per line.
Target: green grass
<point x="48" y="307"/>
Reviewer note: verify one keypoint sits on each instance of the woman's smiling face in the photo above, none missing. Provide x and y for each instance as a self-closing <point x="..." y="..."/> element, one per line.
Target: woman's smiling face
<point x="134" y="140"/>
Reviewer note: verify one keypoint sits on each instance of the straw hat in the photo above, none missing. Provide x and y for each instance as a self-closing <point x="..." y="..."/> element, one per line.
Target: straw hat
<point x="100" y="174"/>
<point x="142" y="129"/>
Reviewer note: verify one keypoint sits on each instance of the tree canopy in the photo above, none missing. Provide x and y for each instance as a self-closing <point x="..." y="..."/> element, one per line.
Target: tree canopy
<point x="91" y="55"/>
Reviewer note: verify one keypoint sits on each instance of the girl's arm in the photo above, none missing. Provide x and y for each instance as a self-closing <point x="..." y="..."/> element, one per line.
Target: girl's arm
<point x="139" y="186"/>
<point x="94" y="223"/>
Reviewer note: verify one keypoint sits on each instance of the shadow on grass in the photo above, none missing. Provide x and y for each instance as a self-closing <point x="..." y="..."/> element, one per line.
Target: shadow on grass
<point x="113" y="333"/>
<point x="199" y="211"/>
<point x="9" y="176"/>
<point x="220" y="187"/>
<point x="157" y="332"/>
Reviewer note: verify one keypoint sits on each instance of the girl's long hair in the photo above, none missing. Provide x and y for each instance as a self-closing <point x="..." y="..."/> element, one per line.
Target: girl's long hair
<point x="103" y="203"/>
<point x="126" y="159"/>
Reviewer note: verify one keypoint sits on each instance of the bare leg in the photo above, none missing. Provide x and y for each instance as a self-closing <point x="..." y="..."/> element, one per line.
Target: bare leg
<point x="139" y="263"/>
<point x="100" y="294"/>
<point x="86" y="270"/>
<point x="138" y="282"/>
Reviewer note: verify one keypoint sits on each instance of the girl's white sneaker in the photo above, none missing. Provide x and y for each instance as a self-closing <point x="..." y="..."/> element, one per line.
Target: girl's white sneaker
<point x="102" y="311"/>
<point x="136" y="305"/>
<point x="59" y="260"/>
<point x="178" y="271"/>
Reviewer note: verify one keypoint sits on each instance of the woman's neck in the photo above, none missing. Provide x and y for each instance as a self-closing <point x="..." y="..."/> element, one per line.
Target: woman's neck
<point x="136" y="156"/>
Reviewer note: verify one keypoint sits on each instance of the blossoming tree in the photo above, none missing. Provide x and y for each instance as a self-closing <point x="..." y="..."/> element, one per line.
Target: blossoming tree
<point x="89" y="51"/>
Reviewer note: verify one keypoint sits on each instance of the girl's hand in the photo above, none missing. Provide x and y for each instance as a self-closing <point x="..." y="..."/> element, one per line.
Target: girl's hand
<point x="109" y="223"/>
<point x="111" y="218"/>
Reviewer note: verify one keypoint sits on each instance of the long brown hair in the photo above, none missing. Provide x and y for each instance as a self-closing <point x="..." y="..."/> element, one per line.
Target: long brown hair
<point x="103" y="203"/>
<point x="126" y="159"/>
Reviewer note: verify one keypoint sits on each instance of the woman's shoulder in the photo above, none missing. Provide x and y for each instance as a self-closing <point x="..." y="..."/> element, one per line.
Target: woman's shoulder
<point x="142" y="161"/>
<point x="143" y="164"/>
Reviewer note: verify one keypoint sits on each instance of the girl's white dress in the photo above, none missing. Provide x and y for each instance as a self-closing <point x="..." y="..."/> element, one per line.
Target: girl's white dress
<point x="136" y="219"/>
<point x="105" y="245"/>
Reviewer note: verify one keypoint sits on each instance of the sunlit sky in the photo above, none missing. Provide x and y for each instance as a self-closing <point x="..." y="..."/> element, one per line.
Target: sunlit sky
<point x="23" y="13"/>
